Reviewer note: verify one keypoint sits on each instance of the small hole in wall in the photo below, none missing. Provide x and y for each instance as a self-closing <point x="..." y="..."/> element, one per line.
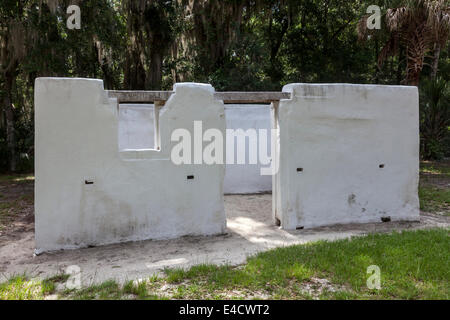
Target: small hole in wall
<point x="277" y="222"/>
<point x="381" y="166"/>
<point x="300" y="228"/>
<point x="88" y="182"/>
<point x="299" y="169"/>
<point x="190" y="177"/>
<point x="385" y="219"/>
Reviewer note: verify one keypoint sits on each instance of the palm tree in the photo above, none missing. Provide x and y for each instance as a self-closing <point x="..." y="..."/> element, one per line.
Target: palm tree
<point x="420" y="26"/>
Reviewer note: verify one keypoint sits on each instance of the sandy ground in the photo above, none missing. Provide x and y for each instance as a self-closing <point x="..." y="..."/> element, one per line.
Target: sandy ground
<point x="250" y="230"/>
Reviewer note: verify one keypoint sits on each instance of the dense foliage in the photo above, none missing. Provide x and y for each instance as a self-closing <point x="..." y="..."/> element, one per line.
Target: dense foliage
<point x="232" y="44"/>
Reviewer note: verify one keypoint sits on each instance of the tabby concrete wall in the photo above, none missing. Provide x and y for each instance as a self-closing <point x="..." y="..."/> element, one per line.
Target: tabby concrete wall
<point x="347" y="154"/>
<point x="89" y="192"/>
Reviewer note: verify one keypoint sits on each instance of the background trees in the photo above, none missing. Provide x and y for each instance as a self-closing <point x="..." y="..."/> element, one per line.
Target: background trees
<point x="232" y="44"/>
<point x="418" y="27"/>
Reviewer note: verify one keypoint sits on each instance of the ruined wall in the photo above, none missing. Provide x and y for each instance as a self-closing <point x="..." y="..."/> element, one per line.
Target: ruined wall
<point x="347" y="153"/>
<point x="88" y="192"/>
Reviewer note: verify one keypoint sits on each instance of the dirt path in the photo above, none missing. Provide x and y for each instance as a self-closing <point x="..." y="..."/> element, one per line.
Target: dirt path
<point x="250" y="230"/>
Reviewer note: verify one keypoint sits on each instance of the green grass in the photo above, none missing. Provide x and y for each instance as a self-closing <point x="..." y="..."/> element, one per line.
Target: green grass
<point x="16" y="178"/>
<point x="435" y="168"/>
<point x="111" y="290"/>
<point x="413" y="264"/>
<point x="434" y="191"/>
<point x="107" y="290"/>
<point x="434" y="199"/>
<point x="21" y="287"/>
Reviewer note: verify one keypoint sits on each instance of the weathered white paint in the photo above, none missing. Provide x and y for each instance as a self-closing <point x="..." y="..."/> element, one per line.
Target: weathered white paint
<point x="136" y="194"/>
<point x="136" y="126"/>
<point x="247" y="178"/>
<point x="340" y="134"/>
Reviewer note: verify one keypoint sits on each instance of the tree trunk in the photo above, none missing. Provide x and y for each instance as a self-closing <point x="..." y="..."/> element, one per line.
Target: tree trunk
<point x="413" y="77"/>
<point x="435" y="65"/>
<point x="155" y="73"/>
<point x="9" y="115"/>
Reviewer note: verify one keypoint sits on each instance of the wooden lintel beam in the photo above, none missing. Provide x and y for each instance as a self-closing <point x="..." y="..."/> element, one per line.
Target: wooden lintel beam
<point x="139" y="96"/>
<point x="251" y="97"/>
<point x="226" y="97"/>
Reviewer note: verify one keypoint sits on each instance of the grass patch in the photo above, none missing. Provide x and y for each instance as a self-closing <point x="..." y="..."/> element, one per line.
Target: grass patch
<point x="434" y="199"/>
<point x="108" y="290"/>
<point x="435" y="168"/>
<point x="414" y="265"/>
<point x="16" y="178"/>
<point x="141" y="289"/>
<point x="434" y="191"/>
<point x="21" y="287"/>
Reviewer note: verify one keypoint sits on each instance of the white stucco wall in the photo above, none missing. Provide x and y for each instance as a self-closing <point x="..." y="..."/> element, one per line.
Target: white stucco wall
<point x="136" y="194"/>
<point x="136" y="126"/>
<point x="340" y="134"/>
<point x="246" y="178"/>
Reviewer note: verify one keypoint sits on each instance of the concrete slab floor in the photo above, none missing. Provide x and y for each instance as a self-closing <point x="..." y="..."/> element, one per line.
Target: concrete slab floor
<point x="250" y="230"/>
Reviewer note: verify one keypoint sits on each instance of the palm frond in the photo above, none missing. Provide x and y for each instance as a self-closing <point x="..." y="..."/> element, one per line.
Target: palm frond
<point x="389" y="49"/>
